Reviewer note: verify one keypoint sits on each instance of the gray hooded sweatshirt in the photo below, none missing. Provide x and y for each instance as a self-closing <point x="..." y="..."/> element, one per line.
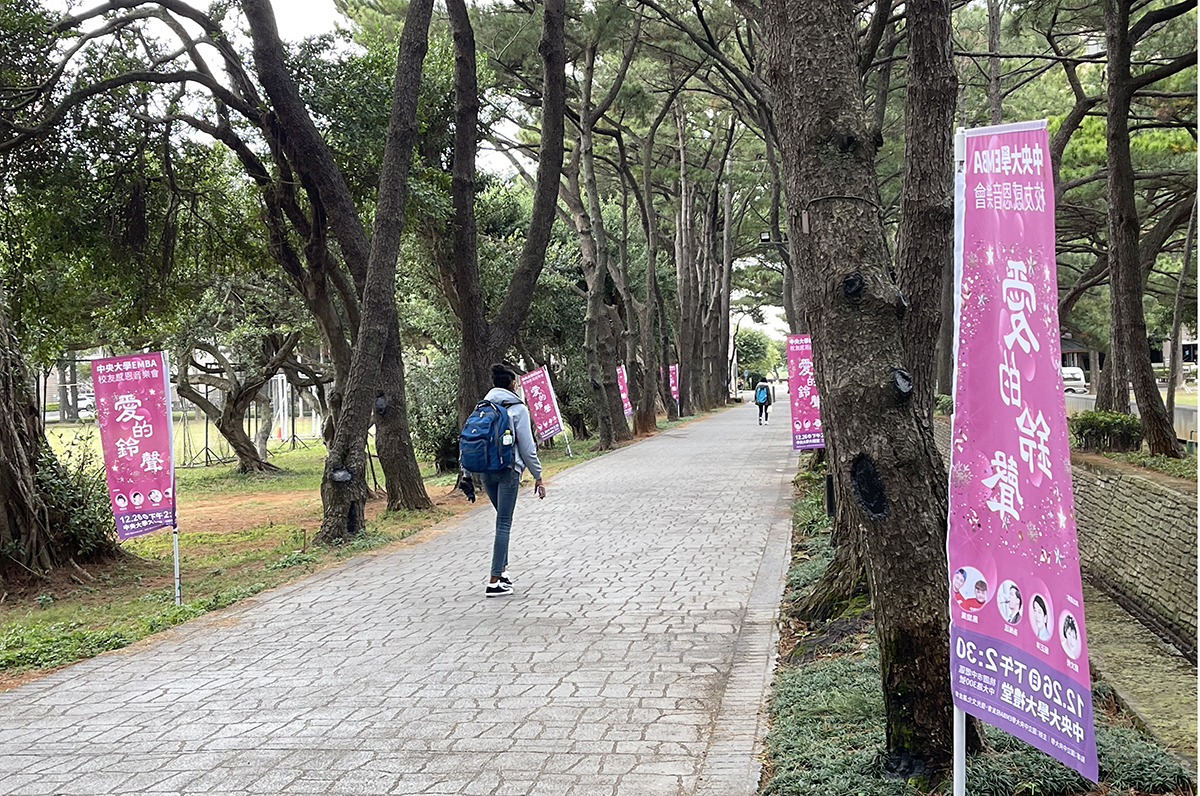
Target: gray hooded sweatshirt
<point x="525" y="454"/>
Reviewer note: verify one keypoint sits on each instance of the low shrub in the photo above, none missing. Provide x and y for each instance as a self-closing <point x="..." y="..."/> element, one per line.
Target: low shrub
<point x="1105" y="431"/>
<point x="944" y="405"/>
<point x="76" y="495"/>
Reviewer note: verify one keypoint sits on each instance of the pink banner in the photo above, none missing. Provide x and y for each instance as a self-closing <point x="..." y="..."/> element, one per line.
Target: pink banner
<point x="133" y="411"/>
<point x="543" y="406"/>
<point x="674" y="372"/>
<point x="802" y="387"/>
<point x="1018" y="646"/>
<point x="623" y="384"/>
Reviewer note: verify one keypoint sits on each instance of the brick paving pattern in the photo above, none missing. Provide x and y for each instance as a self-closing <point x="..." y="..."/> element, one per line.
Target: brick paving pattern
<point x="632" y="660"/>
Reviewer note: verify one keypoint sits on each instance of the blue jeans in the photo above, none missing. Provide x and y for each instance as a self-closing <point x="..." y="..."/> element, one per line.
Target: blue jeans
<point x="501" y="488"/>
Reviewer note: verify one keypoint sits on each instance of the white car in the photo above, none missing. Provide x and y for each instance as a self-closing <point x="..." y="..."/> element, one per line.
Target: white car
<point x="1074" y="381"/>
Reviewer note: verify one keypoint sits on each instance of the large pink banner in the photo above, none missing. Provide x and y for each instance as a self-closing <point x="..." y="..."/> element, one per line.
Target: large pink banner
<point x="1018" y="645"/>
<point x="673" y="370"/>
<point x="543" y="405"/>
<point x="802" y="387"/>
<point x="133" y="411"/>
<point x="623" y="384"/>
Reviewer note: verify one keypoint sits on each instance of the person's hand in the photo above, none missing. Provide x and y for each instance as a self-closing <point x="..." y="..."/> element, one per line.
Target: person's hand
<point x="539" y="489"/>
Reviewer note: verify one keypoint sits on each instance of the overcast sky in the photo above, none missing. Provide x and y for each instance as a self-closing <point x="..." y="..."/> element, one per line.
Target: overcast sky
<point x="300" y="18"/>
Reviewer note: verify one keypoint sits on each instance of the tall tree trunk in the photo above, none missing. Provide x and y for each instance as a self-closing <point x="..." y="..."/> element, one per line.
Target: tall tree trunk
<point x="343" y="489"/>
<point x="25" y="534"/>
<point x="393" y="440"/>
<point x="926" y="247"/>
<point x="466" y="293"/>
<point x="727" y="378"/>
<point x="995" y="11"/>
<point x="1128" y="321"/>
<point x="1175" y="371"/>
<point x="881" y="445"/>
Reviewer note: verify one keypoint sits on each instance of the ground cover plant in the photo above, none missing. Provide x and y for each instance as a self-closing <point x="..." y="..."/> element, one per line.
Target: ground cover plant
<point x="827" y="718"/>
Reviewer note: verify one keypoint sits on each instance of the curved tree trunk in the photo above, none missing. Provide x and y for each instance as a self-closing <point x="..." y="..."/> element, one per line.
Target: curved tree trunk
<point x="343" y="488"/>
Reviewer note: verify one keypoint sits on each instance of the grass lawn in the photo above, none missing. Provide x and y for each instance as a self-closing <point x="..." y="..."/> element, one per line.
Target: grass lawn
<point x="239" y="535"/>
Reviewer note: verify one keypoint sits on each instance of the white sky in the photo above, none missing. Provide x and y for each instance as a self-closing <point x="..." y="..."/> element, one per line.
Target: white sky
<point x="300" y="18"/>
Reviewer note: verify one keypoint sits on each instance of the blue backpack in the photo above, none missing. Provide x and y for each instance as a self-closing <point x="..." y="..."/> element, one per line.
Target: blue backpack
<point x="485" y="444"/>
<point x="760" y="394"/>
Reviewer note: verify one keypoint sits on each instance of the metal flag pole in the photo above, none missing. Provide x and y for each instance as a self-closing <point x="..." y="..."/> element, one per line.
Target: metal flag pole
<point x="178" y="585"/>
<point x="174" y="486"/>
<point x="960" y="752"/>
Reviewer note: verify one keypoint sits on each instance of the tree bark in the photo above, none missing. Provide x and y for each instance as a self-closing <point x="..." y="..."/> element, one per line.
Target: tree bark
<point x="1128" y="350"/>
<point x="1175" y="370"/>
<point x="881" y="445"/>
<point x="343" y="489"/>
<point x="393" y="438"/>
<point x="926" y="247"/>
<point x="995" y="12"/>
<point x="25" y="534"/>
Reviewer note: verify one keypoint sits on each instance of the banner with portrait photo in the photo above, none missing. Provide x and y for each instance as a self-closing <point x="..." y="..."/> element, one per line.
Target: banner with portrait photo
<point x="802" y="391"/>
<point x="133" y="412"/>
<point x="542" y="403"/>
<point x="1017" y="636"/>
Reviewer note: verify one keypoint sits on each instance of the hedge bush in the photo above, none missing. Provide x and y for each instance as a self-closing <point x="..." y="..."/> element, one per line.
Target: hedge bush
<point x="1106" y="431"/>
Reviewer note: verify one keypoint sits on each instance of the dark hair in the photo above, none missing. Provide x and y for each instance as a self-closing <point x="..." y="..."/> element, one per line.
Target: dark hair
<point x="1069" y="624"/>
<point x="1037" y="600"/>
<point x="503" y="376"/>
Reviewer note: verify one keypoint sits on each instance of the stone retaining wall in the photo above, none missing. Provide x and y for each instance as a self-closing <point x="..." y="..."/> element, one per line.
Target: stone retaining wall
<point x="1137" y="541"/>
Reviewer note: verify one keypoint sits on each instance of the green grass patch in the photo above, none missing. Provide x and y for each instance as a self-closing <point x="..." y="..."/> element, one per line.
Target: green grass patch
<point x="1180" y="468"/>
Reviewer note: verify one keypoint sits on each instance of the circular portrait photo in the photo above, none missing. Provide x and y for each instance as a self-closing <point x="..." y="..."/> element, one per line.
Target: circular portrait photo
<point x="156" y="496"/>
<point x="138" y="499"/>
<point x="1040" y="611"/>
<point x="969" y="588"/>
<point x="1011" y="602"/>
<point x="1068" y="633"/>
<point x="120" y="501"/>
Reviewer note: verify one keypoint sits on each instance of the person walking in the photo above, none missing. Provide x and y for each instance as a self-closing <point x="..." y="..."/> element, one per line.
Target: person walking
<point x="764" y="397"/>
<point x="503" y="485"/>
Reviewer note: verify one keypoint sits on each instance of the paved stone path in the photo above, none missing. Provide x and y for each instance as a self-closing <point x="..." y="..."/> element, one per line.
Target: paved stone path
<point x="632" y="660"/>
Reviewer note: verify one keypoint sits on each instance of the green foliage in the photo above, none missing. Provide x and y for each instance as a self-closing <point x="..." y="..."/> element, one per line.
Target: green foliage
<point x="25" y="646"/>
<point x="1180" y="468"/>
<point x="431" y="390"/>
<point x="1105" y="431"/>
<point x="943" y="405"/>
<point x="296" y="558"/>
<point x="76" y="495"/>
<point x="756" y="352"/>
<point x="43" y="646"/>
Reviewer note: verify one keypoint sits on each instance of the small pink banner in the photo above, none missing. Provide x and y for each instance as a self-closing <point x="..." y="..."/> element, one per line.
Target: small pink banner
<point x="802" y="387"/>
<point x="623" y="383"/>
<point x="1018" y="648"/>
<point x="133" y="411"/>
<point x="674" y="371"/>
<point x="543" y="405"/>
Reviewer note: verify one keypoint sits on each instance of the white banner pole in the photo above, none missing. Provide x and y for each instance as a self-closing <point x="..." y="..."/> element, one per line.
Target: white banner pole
<point x="960" y="752"/>
<point x="178" y="586"/>
<point x="960" y="157"/>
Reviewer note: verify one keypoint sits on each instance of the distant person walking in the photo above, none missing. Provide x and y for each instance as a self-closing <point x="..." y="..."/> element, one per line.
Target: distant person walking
<point x="495" y="450"/>
<point x="764" y="396"/>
